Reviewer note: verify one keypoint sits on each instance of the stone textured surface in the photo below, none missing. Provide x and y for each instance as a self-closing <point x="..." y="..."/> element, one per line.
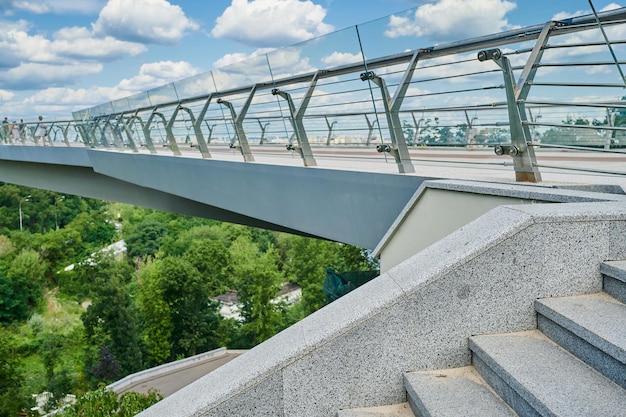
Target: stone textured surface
<point x="596" y="318"/>
<point x="459" y="392"/>
<point x="395" y="410"/>
<point x="317" y="385"/>
<point x="591" y="327"/>
<point x="551" y="380"/>
<point x="617" y="241"/>
<point x="574" y="250"/>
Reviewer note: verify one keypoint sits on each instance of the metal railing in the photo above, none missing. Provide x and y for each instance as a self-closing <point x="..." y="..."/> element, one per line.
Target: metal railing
<point x="557" y="84"/>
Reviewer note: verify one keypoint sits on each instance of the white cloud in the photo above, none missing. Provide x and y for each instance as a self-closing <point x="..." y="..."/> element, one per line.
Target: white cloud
<point x="156" y="74"/>
<point x="145" y="21"/>
<point x="234" y="58"/>
<point x="566" y="15"/>
<point x="58" y="100"/>
<point x="271" y="22"/>
<point x="6" y="95"/>
<point x="79" y="43"/>
<point x="36" y="75"/>
<point x="342" y="58"/>
<point x="453" y="20"/>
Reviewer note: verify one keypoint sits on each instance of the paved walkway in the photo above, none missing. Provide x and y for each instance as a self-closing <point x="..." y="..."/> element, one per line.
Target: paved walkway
<point x="168" y="382"/>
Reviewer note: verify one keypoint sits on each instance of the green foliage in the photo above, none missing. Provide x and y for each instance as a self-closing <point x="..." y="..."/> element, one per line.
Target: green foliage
<point x="258" y="281"/>
<point x="21" y="286"/>
<point x="157" y="322"/>
<point x="187" y="295"/>
<point x="95" y="228"/>
<point x="212" y="261"/>
<point x="157" y="306"/>
<point x="178" y="244"/>
<point x="111" y="320"/>
<point x="106" y="403"/>
<point x="306" y="261"/>
<point x="145" y="238"/>
<point x="11" y="399"/>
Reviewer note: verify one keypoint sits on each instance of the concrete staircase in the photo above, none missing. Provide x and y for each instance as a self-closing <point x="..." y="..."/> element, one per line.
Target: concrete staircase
<point x="574" y="364"/>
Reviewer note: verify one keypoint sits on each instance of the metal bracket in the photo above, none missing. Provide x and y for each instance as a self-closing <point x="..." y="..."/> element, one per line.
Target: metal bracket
<point x="510" y="150"/>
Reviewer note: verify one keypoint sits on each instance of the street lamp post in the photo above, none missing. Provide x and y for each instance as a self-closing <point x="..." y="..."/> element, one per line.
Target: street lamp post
<point x="56" y="209"/>
<point x="20" y="209"/>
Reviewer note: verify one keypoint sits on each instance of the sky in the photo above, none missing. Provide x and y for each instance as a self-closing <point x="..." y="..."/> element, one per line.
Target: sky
<point x="59" y="56"/>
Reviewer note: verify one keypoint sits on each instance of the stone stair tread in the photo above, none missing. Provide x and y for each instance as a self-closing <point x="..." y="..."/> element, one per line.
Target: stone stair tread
<point x="459" y="392"/>
<point x="395" y="410"/>
<point x="596" y="318"/>
<point x="547" y="377"/>
<point x="614" y="269"/>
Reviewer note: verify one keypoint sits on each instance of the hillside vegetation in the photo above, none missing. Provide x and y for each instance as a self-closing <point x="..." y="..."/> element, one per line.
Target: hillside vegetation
<point x="70" y="330"/>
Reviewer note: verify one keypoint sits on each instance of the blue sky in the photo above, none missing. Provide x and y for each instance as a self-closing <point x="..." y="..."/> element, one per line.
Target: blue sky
<point x="58" y="56"/>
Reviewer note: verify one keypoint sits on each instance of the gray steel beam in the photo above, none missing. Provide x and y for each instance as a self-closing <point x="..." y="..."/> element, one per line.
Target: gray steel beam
<point x="326" y="203"/>
<point x="523" y="158"/>
<point x="297" y="115"/>
<point x="146" y="129"/>
<point x="240" y="133"/>
<point x="370" y="132"/>
<point x="197" y="129"/>
<point x="128" y="129"/>
<point x="169" y="134"/>
<point x="263" y="129"/>
<point x="399" y="148"/>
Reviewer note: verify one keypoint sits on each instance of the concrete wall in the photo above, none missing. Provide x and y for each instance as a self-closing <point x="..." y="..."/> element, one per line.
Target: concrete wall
<point x="483" y="278"/>
<point x="437" y="214"/>
<point x="440" y="207"/>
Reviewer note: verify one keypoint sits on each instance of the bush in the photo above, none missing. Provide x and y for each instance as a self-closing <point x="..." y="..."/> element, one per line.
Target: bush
<point x="106" y="403"/>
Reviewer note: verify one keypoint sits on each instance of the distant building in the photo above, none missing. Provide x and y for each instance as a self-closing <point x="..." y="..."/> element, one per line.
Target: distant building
<point x="230" y="307"/>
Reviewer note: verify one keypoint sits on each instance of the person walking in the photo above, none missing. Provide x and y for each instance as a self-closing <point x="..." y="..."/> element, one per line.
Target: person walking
<point x="5" y="129"/>
<point x="40" y="131"/>
<point x="22" y="130"/>
<point x="15" y="131"/>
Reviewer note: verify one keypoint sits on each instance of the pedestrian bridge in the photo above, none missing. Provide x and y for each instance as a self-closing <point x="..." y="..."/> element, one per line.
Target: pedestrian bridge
<point x="332" y="138"/>
<point x="371" y="139"/>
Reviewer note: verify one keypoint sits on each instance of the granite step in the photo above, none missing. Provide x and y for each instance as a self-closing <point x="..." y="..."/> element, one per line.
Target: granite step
<point x="459" y="392"/>
<point x="614" y="279"/>
<point x="589" y="326"/>
<point x="396" y="410"/>
<point x="538" y="378"/>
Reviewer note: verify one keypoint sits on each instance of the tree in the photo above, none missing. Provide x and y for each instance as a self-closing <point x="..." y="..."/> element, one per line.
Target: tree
<point x="306" y="261"/>
<point x="193" y="318"/>
<point x="145" y="238"/>
<point x="111" y="319"/>
<point x="155" y="312"/>
<point x="409" y="132"/>
<point x="212" y="261"/>
<point x="11" y="400"/>
<point x="21" y="286"/>
<point x="258" y="281"/>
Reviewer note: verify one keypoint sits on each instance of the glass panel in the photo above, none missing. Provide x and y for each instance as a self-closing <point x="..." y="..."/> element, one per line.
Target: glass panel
<point x="121" y="105"/>
<point x="335" y="93"/>
<point x="241" y="74"/>
<point x="103" y="110"/>
<point x="196" y="86"/>
<point x="330" y="51"/>
<point x="163" y="94"/>
<point x="392" y="35"/>
<point x="139" y="100"/>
